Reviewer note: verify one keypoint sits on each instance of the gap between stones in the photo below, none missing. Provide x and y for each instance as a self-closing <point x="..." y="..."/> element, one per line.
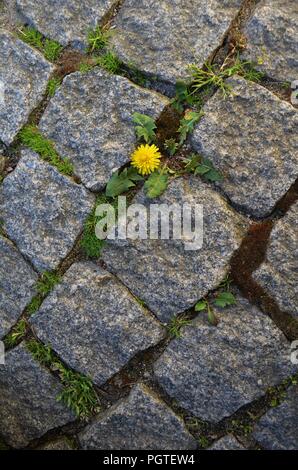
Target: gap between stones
<point x="249" y="257"/>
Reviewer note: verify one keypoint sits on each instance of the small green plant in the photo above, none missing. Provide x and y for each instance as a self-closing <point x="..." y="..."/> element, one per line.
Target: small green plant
<point x="145" y="127"/>
<point x="98" y="39"/>
<point x="32" y="138"/>
<point x="183" y="96"/>
<point x="92" y="245"/>
<point x="171" y="146"/>
<point x="157" y="183"/>
<point x="31" y="36"/>
<point x="250" y="73"/>
<point x="78" y="392"/>
<point x="52" y="86"/>
<point x="210" y="76"/>
<point x="47" y="282"/>
<point x="17" y="333"/>
<point x="223" y="299"/>
<point x="187" y="124"/>
<point x="241" y="428"/>
<point x="85" y="67"/>
<point x="41" y="353"/>
<point x="120" y="182"/>
<point x="203" y="442"/>
<point x="176" y="324"/>
<point x="50" y="49"/>
<point x="226" y="283"/>
<point x="202" y="166"/>
<point x="34" y="305"/>
<point x="110" y="62"/>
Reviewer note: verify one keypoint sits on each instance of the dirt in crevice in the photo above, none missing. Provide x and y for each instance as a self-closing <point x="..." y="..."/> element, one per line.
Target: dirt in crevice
<point x="167" y="124"/>
<point x="245" y="261"/>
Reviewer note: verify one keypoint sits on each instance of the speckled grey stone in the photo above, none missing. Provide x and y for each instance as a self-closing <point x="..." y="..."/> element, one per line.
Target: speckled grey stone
<point x="28" y="399"/>
<point x="278" y="428"/>
<point x="227" y="443"/>
<point x="278" y="274"/>
<point x="43" y="211"/>
<point x="213" y="371"/>
<point x="67" y="22"/>
<point x="17" y="279"/>
<point x="23" y="78"/>
<point x="272" y="38"/>
<point x="94" y="323"/>
<point x="139" y="422"/>
<point x="163" y="273"/>
<point x="163" y="39"/>
<point x="60" y="444"/>
<point x="90" y="121"/>
<point x="251" y="137"/>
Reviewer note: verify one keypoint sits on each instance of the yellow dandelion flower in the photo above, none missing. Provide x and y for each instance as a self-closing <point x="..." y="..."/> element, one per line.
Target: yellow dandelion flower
<point x="146" y="159"/>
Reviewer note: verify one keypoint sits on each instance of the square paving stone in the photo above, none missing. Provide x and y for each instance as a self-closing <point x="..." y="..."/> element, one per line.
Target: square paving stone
<point x="278" y="428"/>
<point x="93" y="322"/>
<point x="162" y="38"/>
<point x="227" y="443"/>
<point x="67" y="21"/>
<point x="213" y="371"/>
<point x="43" y="211"/>
<point x="272" y="39"/>
<point x="251" y="137"/>
<point x="28" y="399"/>
<point x="17" y="279"/>
<point x="139" y="422"/>
<point x="24" y="74"/>
<point x="163" y="273"/>
<point x="90" y="121"/>
<point x="278" y="274"/>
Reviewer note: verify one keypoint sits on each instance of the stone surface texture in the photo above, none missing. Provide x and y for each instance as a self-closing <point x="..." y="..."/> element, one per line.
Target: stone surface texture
<point x="140" y="422"/>
<point x="17" y="280"/>
<point x="251" y="138"/>
<point x="278" y="428"/>
<point x="272" y="39"/>
<point x="214" y="371"/>
<point x="67" y="22"/>
<point x="163" y="273"/>
<point x="90" y="121"/>
<point x="28" y="399"/>
<point x="43" y="211"/>
<point x="227" y="443"/>
<point x="162" y="39"/>
<point x="94" y="323"/>
<point x="60" y="444"/>
<point x="24" y="74"/>
<point x="278" y="274"/>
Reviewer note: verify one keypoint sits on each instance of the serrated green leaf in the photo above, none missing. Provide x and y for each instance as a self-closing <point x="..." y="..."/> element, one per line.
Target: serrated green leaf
<point x="156" y="184"/>
<point x="133" y="175"/>
<point x="187" y="124"/>
<point x="207" y="170"/>
<point x="224" y="299"/>
<point x="119" y="183"/>
<point x="200" y="306"/>
<point x="192" y="162"/>
<point x="145" y="128"/>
